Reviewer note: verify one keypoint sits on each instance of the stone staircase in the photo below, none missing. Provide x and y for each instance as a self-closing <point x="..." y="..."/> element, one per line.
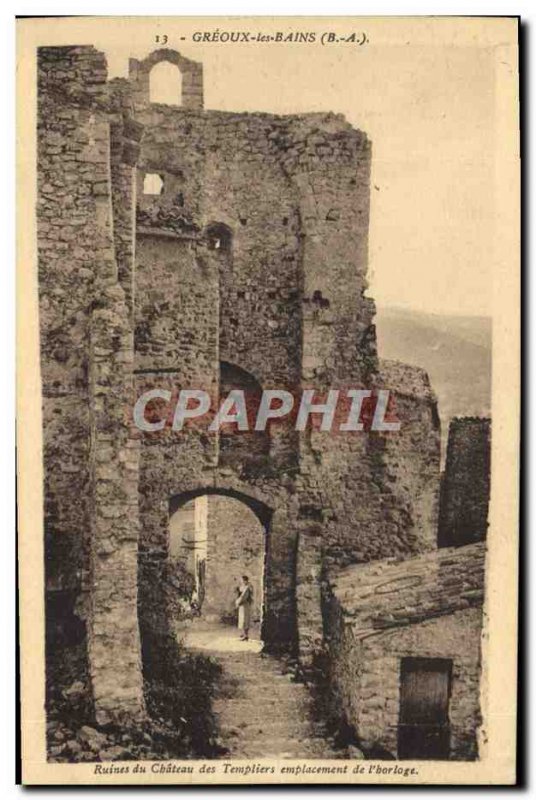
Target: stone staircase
<point x="263" y="713"/>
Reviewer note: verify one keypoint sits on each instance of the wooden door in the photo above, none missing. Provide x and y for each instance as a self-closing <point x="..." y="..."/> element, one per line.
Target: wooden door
<point x="423" y="730"/>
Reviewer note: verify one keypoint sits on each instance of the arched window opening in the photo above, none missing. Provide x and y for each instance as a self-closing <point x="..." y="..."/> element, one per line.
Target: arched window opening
<point x="242" y="450"/>
<point x="165" y="84"/>
<point x="219" y="237"/>
<point x="153" y="184"/>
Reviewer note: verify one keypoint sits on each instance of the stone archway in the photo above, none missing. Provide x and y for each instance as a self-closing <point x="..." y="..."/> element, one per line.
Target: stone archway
<point x="191" y="72"/>
<point x="217" y="536"/>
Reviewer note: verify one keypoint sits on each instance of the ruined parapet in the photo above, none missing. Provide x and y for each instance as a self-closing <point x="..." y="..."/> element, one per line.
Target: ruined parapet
<point x="427" y="611"/>
<point x="74" y="74"/>
<point x="465" y="490"/>
<point x="191" y="71"/>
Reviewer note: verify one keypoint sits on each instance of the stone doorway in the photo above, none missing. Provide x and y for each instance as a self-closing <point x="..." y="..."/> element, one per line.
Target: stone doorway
<point x="217" y="537"/>
<point x="425" y="687"/>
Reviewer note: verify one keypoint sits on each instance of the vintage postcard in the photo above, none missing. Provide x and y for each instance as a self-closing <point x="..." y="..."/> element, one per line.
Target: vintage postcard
<point x="268" y="399"/>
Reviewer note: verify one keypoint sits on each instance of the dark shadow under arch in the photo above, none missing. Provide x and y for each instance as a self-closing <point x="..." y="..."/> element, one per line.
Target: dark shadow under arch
<point x="234" y="377"/>
<point x="219" y="237"/>
<point x="247" y="452"/>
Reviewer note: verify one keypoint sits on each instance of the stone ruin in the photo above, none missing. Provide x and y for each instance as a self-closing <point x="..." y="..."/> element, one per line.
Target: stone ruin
<point x="213" y="249"/>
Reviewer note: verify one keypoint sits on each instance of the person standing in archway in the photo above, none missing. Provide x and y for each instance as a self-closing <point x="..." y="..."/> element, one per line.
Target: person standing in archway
<point x="244" y="601"/>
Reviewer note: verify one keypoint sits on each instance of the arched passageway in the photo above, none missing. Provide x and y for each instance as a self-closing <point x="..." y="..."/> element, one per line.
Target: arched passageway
<point x="217" y="537"/>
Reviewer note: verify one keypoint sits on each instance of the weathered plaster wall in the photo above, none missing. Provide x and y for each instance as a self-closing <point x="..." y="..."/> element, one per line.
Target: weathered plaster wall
<point x="428" y="606"/>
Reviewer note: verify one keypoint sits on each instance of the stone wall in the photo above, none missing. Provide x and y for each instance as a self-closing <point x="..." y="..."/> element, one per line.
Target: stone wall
<point x="466" y="482"/>
<point x="72" y="185"/>
<point x="378" y="491"/>
<point x="236" y="546"/>
<point x="410" y="460"/>
<point x="113" y="640"/>
<point x="91" y="519"/>
<point x="429" y="606"/>
<point x="182" y="536"/>
<point x="267" y="274"/>
<point x="125" y="136"/>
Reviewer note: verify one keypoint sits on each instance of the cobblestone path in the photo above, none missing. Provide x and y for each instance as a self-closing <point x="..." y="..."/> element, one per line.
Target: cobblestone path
<point x="261" y="711"/>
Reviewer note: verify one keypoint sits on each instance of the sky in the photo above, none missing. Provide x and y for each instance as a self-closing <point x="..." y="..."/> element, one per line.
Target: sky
<point x="425" y="95"/>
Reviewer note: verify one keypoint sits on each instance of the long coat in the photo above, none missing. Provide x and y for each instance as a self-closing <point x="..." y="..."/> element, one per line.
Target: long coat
<point x="244" y="603"/>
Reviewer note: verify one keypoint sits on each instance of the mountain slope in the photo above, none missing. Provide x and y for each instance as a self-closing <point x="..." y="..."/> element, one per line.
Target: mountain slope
<point x="455" y="351"/>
